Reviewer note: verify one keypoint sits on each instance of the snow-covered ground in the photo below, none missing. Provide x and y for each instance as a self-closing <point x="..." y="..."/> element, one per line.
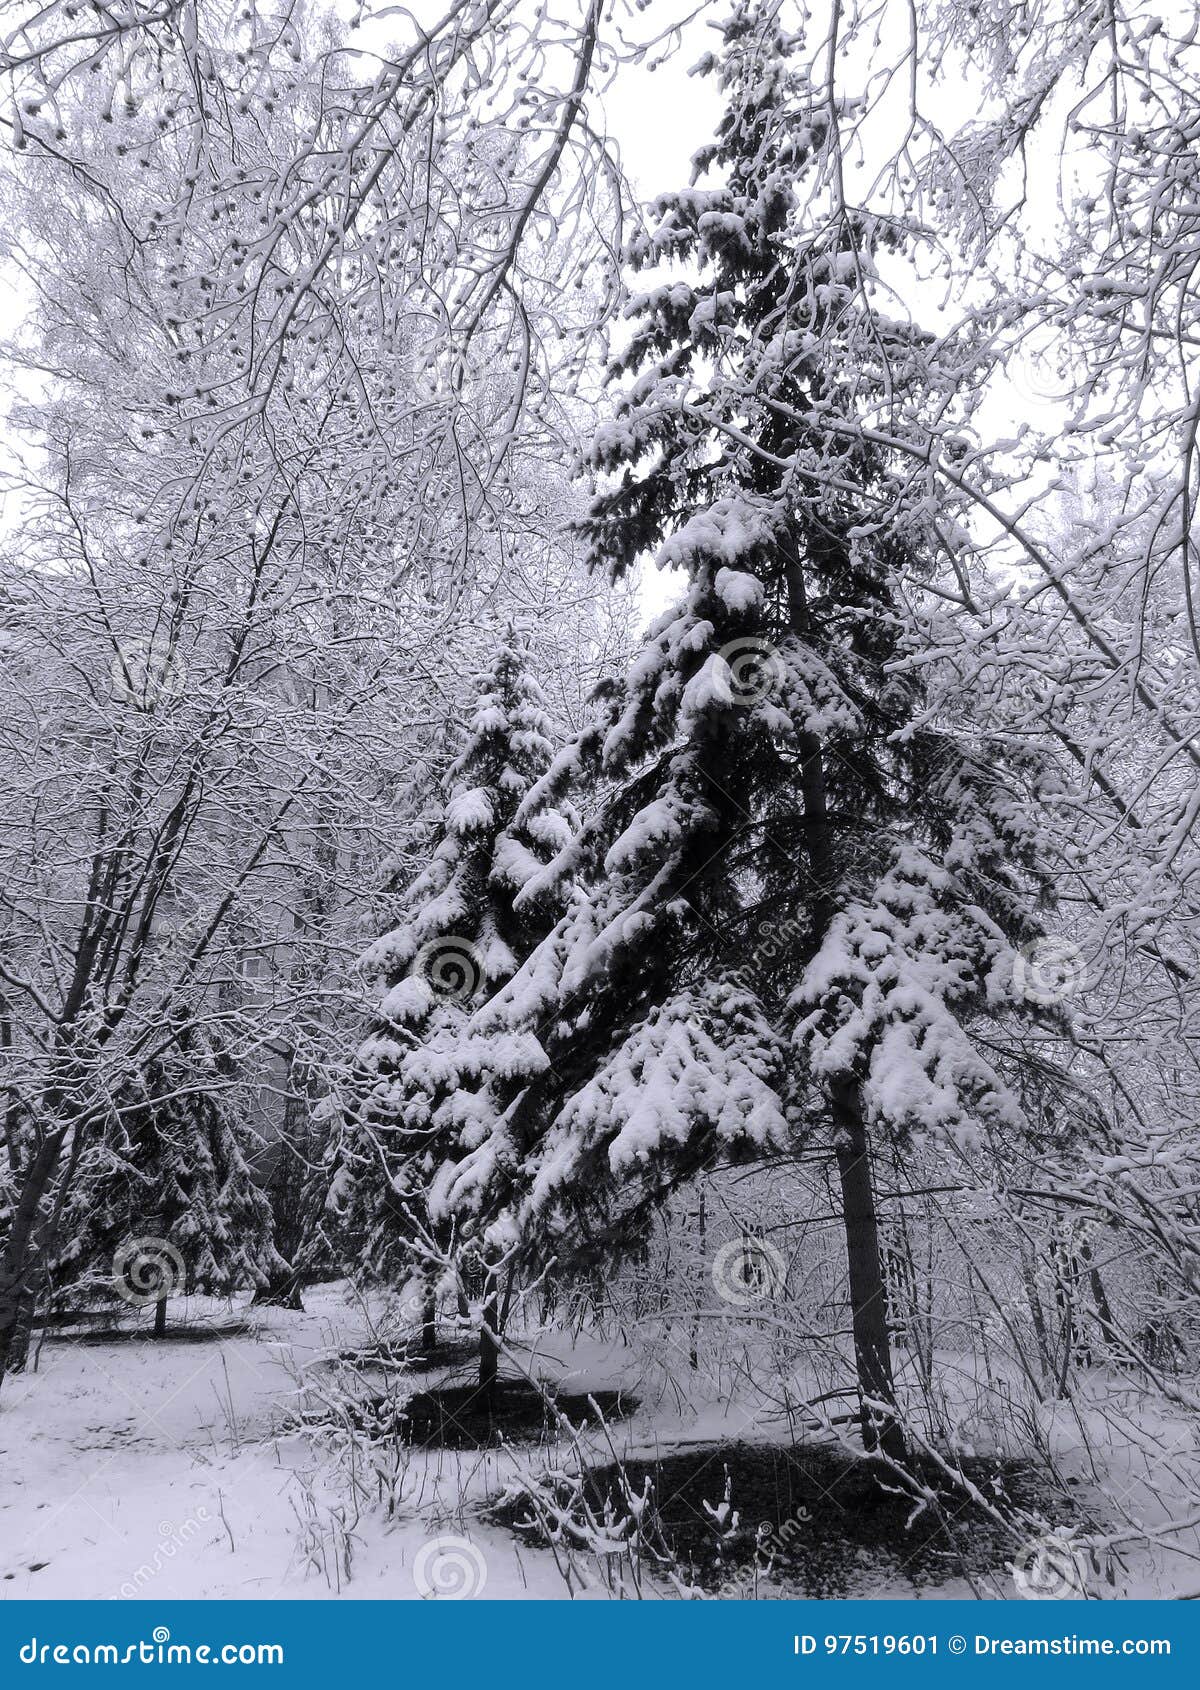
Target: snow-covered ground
<point x="167" y="1470"/>
<point x="136" y="1469"/>
<point x="155" y="1470"/>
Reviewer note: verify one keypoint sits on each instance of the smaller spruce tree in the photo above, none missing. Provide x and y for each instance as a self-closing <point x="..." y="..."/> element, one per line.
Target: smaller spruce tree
<point x="458" y="937"/>
<point x="165" y="1201"/>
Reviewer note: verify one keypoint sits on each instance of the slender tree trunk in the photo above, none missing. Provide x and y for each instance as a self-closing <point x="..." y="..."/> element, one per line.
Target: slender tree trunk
<point x="429" y="1321"/>
<point x="1100" y="1302"/>
<point x="1037" y="1316"/>
<point x="702" y="1228"/>
<point x="868" y="1293"/>
<point x="510" y="1286"/>
<point x="489" y="1349"/>
<point x="12" y="1104"/>
<point x="160" y="1318"/>
<point x="1064" y="1301"/>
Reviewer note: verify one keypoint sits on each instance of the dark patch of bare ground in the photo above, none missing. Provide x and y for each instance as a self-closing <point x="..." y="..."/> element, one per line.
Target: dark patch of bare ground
<point x="145" y="1334"/>
<point x="814" y="1523"/>
<point x="461" y="1417"/>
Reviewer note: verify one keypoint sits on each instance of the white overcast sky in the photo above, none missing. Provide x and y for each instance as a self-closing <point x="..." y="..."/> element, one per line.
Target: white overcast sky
<point x="657" y="118"/>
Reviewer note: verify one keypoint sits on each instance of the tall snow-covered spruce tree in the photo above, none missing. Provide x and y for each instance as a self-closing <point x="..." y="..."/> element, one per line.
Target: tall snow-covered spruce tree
<point x="800" y="896"/>
<point x="458" y="938"/>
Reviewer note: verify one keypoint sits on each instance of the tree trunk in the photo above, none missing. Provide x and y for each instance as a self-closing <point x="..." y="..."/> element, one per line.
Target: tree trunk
<point x="17" y="1338"/>
<point x="12" y="1105"/>
<point x="19" y="1263"/>
<point x="1062" y="1267"/>
<point x="489" y="1349"/>
<point x="868" y="1296"/>
<point x="282" y="1291"/>
<point x="1037" y="1315"/>
<point x="1100" y="1303"/>
<point x="160" y="1318"/>
<point x="429" y="1321"/>
<point x="702" y="1220"/>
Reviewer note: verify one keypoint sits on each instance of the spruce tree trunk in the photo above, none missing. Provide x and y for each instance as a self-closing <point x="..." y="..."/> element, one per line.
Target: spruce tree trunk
<point x="429" y="1321"/>
<point x="868" y="1293"/>
<point x="160" y="1318"/>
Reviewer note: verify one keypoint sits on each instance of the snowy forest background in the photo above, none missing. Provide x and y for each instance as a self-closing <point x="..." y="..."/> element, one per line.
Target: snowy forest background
<point x="598" y="793"/>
